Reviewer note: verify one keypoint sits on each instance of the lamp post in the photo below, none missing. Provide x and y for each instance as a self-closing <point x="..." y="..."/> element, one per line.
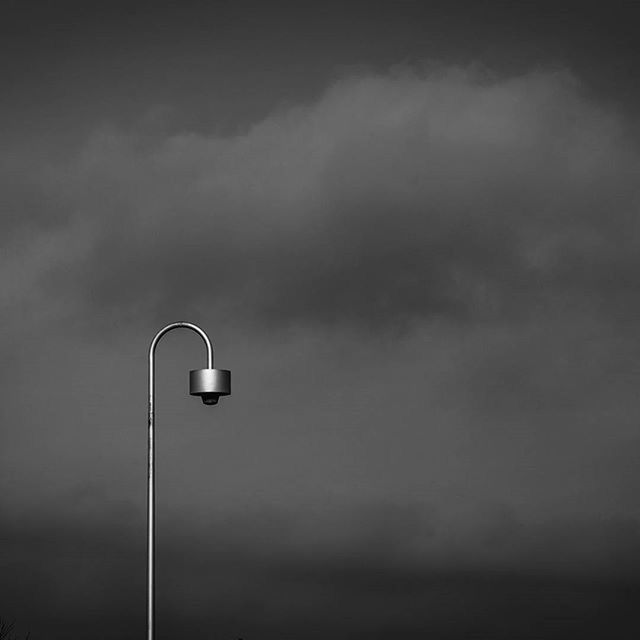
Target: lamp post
<point x="207" y="383"/>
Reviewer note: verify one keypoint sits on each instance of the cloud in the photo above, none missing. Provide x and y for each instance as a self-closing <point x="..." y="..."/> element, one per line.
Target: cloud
<point x="327" y="574"/>
<point x="495" y="218"/>
<point x="393" y="199"/>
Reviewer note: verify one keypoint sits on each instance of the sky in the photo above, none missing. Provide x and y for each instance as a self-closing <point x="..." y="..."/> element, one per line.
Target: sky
<point x="411" y="230"/>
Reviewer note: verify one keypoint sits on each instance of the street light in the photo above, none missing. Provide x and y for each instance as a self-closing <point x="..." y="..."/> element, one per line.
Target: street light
<point x="207" y="383"/>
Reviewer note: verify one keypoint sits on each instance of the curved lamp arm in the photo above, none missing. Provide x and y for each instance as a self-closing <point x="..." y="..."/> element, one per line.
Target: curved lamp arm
<point x="178" y="325"/>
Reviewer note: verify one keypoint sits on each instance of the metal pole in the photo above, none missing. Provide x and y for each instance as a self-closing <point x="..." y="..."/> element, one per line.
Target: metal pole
<point x="150" y="466"/>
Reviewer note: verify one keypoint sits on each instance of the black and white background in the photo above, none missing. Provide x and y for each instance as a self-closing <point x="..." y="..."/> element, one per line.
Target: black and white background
<point x="412" y="231"/>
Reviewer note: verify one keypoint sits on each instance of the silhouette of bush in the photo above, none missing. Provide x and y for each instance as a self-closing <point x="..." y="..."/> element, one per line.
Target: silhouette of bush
<point x="6" y="630"/>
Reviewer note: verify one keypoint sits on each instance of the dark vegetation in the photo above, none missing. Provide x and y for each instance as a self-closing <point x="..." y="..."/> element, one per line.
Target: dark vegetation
<point x="6" y="631"/>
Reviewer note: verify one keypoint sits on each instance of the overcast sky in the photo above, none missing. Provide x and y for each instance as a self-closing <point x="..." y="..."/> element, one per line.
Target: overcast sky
<point x="412" y="232"/>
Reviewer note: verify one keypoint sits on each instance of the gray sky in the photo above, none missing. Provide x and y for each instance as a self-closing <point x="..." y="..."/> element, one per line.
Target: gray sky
<point x="412" y="234"/>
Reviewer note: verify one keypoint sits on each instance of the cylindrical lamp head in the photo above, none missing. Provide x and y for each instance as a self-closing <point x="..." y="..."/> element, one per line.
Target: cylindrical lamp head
<point x="210" y="384"/>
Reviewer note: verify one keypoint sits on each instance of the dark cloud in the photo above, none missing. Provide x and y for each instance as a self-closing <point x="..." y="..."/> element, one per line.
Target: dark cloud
<point x="425" y="284"/>
<point x="393" y="199"/>
<point x="389" y="570"/>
